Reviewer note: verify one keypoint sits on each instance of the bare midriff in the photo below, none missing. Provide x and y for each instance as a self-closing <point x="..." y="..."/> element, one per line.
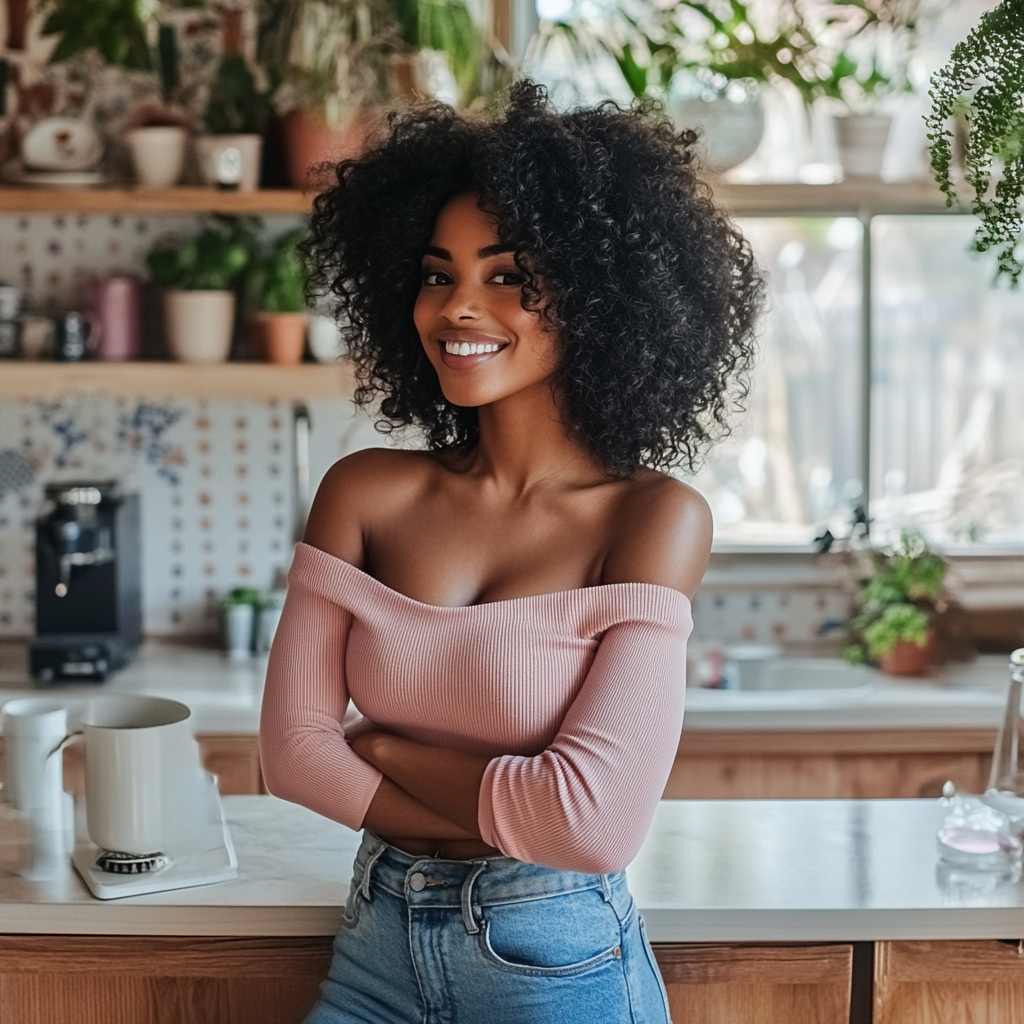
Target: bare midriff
<point x="443" y="849"/>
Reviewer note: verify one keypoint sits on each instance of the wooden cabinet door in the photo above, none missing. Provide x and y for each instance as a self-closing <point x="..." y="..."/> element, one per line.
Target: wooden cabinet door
<point x="717" y="984"/>
<point x="949" y="983"/>
<point x="92" y="979"/>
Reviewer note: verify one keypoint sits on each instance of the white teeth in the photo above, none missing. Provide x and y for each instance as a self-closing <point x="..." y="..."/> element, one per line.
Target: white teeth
<point x="466" y="348"/>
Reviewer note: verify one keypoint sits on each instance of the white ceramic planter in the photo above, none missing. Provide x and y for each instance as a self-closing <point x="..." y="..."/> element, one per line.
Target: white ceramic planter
<point x="158" y="155"/>
<point x="731" y="130"/>
<point x="199" y="325"/>
<point x="239" y="625"/>
<point x="229" y="160"/>
<point x="325" y="338"/>
<point x="861" y="140"/>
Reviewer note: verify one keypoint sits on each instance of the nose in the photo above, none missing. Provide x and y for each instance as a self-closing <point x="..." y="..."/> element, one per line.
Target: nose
<point x="463" y="304"/>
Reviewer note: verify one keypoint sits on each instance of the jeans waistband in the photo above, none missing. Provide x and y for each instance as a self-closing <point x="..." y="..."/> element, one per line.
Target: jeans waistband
<point x="465" y="884"/>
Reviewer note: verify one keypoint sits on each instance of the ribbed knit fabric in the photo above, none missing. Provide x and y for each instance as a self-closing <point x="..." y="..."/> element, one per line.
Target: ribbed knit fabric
<point x="577" y="697"/>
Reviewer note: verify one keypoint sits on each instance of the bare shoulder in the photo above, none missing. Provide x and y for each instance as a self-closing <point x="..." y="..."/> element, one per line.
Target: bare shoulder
<point x="356" y="490"/>
<point x="662" y="534"/>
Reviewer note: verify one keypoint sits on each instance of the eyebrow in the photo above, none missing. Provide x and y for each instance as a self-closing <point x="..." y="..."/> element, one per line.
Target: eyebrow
<point x="485" y="253"/>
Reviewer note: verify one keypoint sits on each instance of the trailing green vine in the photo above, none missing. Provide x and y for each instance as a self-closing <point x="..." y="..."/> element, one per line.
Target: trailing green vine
<point x="984" y="80"/>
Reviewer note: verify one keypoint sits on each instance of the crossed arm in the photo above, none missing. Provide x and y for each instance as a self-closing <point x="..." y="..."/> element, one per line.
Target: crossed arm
<point x="426" y="793"/>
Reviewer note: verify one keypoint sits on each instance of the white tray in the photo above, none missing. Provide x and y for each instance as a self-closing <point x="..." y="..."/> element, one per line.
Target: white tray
<point x="216" y="862"/>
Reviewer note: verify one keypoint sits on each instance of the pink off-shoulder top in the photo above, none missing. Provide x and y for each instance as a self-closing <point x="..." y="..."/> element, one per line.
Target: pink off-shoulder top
<point x="576" y="696"/>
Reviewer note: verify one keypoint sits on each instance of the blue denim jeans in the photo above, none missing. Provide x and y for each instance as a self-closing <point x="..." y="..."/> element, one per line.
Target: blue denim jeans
<point x="491" y="941"/>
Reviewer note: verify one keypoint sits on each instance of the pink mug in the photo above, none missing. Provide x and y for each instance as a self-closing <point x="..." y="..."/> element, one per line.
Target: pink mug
<point x="117" y="303"/>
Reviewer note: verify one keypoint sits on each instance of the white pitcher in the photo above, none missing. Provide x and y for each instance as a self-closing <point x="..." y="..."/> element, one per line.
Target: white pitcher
<point x="34" y="774"/>
<point x="145" y="789"/>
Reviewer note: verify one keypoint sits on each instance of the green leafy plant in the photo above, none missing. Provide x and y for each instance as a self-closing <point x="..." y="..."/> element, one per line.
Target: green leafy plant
<point x="331" y="56"/>
<point x="115" y="29"/>
<point x="896" y="602"/>
<point x="236" y="105"/>
<point x="985" y="79"/>
<point x="277" y="279"/>
<point x="448" y="27"/>
<point x="726" y="42"/>
<point x="216" y="258"/>
<point x="243" y="596"/>
<point x="896" y="622"/>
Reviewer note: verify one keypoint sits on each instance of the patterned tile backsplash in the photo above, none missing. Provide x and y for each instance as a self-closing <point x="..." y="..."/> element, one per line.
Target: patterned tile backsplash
<point x="214" y="480"/>
<point x="782" y="616"/>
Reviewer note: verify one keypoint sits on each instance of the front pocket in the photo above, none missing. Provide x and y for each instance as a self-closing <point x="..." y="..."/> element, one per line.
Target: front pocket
<point x="560" y="935"/>
<point x="536" y="971"/>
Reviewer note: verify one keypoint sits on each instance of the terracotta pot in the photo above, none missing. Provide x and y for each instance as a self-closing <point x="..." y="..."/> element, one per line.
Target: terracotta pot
<point x="310" y="142"/>
<point x="283" y="336"/>
<point x="199" y="325"/>
<point x="907" y="659"/>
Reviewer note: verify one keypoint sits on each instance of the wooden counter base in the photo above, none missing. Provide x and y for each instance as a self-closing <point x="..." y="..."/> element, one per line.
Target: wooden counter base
<point x="828" y="764"/>
<point x="136" y="980"/>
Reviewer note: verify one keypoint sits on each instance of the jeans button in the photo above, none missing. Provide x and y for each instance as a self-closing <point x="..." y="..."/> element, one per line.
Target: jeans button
<point x="417" y="881"/>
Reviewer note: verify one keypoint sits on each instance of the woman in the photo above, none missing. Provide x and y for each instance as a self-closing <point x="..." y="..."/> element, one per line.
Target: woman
<point x="554" y="301"/>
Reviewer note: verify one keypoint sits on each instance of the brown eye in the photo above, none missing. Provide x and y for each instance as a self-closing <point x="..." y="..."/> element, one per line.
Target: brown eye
<point x="435" y="277"/>
<point x="508" y="277"/>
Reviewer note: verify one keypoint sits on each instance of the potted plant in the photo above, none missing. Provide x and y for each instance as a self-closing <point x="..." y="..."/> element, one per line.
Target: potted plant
<point x="328" y="65"/>
<point x="985" y="79"/>
<point x="240" y="606"/>
<point x="892" y="626"/>
<point x="119" y="32"/>
<point x="236" y="115"/>
<point x="709" y="62"/>
<point x="199" y="276"/>
<point x="277" y="288"/>
<point x="334" y="63"/>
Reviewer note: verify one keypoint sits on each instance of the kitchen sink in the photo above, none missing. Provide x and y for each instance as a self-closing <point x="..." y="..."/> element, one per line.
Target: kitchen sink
<point x="802" y="674"/>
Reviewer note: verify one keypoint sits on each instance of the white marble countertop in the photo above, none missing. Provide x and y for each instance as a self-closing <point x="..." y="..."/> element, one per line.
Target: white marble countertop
<point x="225" y="695"/>
<point x="710" y="871"/>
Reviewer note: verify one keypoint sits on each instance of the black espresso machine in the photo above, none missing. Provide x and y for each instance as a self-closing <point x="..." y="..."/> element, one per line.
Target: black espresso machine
<point x="88" y="582"/>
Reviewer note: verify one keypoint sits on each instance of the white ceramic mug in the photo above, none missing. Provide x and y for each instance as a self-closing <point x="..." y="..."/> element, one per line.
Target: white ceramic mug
<point x="34" y="772"/>
<point x="144" y="783"/>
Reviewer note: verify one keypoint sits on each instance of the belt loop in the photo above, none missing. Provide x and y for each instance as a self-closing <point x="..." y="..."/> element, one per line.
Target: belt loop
<point x="364" y="885"/>
<point x="472" y="928"/>
<point x="606" y="888"/>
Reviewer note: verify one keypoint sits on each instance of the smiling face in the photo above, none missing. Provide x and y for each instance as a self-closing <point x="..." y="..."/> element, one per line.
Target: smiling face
<point x="469" y="314"/>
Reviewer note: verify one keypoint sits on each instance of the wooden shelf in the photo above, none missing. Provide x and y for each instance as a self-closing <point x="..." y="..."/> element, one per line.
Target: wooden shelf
<point x="18" y="199"/>
<point x="238" y="381"/>
<point x="857" y="197"/>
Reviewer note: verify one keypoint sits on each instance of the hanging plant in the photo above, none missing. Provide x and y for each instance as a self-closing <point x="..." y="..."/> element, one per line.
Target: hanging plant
<point x="984" y="80"/>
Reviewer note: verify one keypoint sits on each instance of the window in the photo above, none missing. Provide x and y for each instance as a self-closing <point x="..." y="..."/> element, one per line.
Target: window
<point x="794" y="461"/>
<point x="946" y="433"/>
<point x="947" y="402"/>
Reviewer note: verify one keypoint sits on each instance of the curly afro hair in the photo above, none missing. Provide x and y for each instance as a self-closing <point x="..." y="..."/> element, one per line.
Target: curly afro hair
<point x="654" y="293"/>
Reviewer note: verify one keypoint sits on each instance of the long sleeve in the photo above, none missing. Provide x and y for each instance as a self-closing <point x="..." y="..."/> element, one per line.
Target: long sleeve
<point x="303" y="751"/>
<point x="586" y="802"/>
